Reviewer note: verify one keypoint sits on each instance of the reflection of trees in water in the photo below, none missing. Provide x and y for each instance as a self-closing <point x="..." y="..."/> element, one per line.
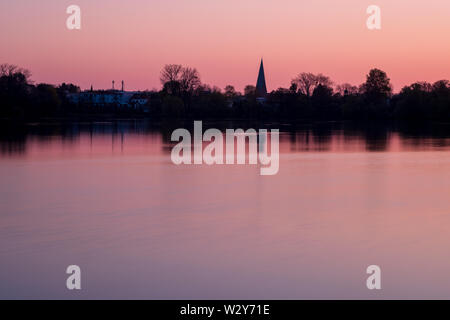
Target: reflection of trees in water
<point x="14" y="138"/>
<point x="12" y="147"/>
<point x="375" y="136"/>
<point x="301" y="137"/>
<point x="415" y="136"/>
<point x="319" y="137"/>
<point x="322" y="134"/>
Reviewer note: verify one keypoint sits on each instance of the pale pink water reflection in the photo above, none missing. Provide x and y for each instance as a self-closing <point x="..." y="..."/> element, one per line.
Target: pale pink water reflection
<point x="140" y="227"/>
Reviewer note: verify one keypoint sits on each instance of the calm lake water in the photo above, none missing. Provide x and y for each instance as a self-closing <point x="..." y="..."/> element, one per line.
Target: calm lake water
<point x="106" y="196"/>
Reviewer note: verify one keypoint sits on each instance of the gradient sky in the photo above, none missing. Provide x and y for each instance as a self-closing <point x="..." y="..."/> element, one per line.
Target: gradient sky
<point x="131" y="40"/>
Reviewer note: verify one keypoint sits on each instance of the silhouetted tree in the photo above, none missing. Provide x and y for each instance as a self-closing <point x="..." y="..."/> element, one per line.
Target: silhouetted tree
<point x="172" y="107"/>
<point x="377" y="86"/>
<point x="9" y="70"/>
<point x="324" y="105"/>
<point x="68" y="88"/>
<point x="172" y="88"/>
<point x="230" y="92"/>
<point x="305" y="83"/>
<point x="47" y="99"/>
<point x="413" y="101"/>
<point x="440" y="100"/>
<point x="346" y="89"/>
<point x="171" y="72"/>
<point x="175" y="77"/>
<point x="250" y="90"/>
<point x="15" y="90"/>
<point x="190" y="79"/>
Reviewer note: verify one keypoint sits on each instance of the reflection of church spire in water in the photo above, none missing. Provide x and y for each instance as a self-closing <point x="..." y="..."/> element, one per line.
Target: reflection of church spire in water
<point x="261" y="90"/>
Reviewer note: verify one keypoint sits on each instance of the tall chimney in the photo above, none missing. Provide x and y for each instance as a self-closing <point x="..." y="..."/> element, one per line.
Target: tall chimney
<point x="122" y="86"/>
<point x="113" y="84"/>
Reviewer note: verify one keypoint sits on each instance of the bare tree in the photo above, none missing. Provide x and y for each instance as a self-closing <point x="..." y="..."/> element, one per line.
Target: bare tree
<point x="175" y="76"/>
<point x="171" y="73"/>
<point x="323" y="80"/>
<point x="11" y="70"/>
<point x="307" y="82"/>
<point x="190" y="79"/>
<point x="346" y="89"/>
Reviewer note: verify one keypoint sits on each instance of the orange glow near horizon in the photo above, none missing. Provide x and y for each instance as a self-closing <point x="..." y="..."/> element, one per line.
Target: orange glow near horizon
<point x="132" y="40"/>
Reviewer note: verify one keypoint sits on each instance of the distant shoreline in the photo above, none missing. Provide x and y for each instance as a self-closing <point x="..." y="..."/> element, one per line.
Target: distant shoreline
<point x="183" y="97"/>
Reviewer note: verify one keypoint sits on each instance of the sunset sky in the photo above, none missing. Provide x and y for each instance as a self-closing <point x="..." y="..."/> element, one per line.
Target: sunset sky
<point x="131" y="40"/>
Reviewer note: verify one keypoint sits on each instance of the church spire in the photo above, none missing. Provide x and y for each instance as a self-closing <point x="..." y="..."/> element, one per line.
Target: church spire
<point x="261" y="90"/>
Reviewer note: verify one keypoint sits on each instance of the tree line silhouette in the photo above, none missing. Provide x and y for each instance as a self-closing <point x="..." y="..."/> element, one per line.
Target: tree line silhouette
<point x="184" y="96"/>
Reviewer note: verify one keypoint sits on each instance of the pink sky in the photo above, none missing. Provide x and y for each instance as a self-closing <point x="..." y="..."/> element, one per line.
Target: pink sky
<point x="131" y="40"/>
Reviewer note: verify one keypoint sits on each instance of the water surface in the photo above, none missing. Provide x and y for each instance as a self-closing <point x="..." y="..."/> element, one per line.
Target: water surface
<point x="106" y="196"/>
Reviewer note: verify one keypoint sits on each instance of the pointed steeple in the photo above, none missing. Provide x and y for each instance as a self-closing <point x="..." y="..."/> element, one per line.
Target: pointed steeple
<point x="261" y="90"/>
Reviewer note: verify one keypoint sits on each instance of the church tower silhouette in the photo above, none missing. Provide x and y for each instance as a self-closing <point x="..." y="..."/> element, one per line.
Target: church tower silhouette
<point x="261" y="89"/>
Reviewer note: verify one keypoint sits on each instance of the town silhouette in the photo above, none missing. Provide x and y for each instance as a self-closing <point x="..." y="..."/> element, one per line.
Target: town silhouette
<point x="184" y="96"/>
